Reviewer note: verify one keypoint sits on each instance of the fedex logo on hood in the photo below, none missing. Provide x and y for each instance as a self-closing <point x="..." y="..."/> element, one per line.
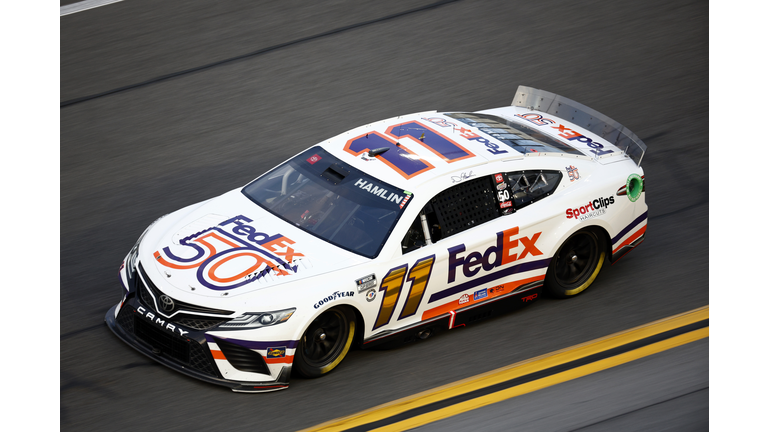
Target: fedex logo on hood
<point x="231" y="254"/>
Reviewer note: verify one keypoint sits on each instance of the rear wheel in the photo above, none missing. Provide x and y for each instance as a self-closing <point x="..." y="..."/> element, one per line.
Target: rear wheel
<point x="576" y="264"/>
<point x="325" y="343"/>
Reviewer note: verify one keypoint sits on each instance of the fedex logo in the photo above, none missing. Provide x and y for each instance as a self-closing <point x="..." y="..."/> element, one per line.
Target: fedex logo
<point x="467" y="133"/>
<point x="231" y="254"/>
<point x="492" y="147"/>
<point x="569" y="134"/>
<point x="572" y="135"/>
<point x="509" y="247"/>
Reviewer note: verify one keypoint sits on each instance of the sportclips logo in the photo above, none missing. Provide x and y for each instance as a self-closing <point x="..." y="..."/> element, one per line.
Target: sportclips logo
<point x="592" y="209"/>
<point x="231" y="254"/>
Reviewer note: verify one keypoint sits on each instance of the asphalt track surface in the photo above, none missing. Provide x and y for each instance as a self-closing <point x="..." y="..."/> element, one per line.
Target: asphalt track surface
<point x="187" y="100"/>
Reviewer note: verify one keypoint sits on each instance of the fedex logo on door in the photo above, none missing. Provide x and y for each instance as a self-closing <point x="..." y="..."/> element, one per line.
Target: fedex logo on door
<point x="509" y="247"/>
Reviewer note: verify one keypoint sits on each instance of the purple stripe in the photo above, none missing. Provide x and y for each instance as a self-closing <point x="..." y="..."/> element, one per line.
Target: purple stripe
<point x="532" y="265"/>
<point x="629" y="227"/>
<point x="254" y="344"/>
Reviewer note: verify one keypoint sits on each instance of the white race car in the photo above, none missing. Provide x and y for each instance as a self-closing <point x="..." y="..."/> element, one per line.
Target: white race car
<point x="384" y="234"/>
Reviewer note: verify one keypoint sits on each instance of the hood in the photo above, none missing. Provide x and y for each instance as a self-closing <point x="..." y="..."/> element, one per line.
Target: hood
<point x="230" y="246"/>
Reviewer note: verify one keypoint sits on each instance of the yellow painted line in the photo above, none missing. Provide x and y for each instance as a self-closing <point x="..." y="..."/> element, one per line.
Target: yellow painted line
<point x="545" y="382"/>
<point x="517" y="370"/>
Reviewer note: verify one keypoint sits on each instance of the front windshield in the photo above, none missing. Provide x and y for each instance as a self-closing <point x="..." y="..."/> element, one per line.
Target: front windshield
<point x="331" y="200"/>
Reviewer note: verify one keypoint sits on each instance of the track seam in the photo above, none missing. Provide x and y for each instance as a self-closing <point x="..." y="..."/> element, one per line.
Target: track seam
<point x="640" y="409"/>
<point x="253" y="54"/>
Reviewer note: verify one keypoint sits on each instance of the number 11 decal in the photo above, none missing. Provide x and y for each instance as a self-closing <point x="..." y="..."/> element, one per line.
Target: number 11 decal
<point x="399" y="157"/>
<point x="392" y="285"/>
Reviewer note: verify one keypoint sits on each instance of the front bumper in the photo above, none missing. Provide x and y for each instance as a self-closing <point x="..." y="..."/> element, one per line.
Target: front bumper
<point x="183" y="349"/>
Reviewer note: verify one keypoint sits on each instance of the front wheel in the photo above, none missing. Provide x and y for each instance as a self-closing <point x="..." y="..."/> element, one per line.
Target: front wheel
<point x="325" y="343"/>
<point x="576" y="264"/>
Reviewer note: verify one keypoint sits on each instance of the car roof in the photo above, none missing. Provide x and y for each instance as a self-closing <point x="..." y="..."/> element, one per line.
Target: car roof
<point x="423" y="146"/>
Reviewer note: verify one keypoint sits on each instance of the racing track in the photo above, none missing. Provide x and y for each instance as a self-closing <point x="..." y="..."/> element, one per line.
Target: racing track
<point x="128" y="157"/>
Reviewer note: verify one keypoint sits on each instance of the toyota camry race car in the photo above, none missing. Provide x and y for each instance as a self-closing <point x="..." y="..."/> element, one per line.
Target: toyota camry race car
<point x="384" y="234"/>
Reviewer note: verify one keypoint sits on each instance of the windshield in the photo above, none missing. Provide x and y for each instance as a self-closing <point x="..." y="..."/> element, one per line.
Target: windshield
<point x="329" y="199"/>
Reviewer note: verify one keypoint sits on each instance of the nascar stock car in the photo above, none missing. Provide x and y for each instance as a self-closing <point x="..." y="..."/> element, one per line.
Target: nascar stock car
<point x="385" y="233"/>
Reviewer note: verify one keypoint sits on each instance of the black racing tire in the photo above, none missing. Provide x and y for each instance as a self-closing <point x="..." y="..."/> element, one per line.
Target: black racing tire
<point x="325" y="343"/>
<point x="576" y="264"/>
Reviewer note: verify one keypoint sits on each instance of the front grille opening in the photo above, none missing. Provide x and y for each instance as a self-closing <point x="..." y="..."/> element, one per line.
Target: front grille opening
<point x="242" y="358"/>
<point x="168" y="344"/>
<point x="198" y="323"/>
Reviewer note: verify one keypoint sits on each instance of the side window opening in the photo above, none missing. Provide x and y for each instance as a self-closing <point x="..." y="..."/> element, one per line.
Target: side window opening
<point x="527" y="187"/>
<point x="414" y="238"/>
<point x="452" y="211"/>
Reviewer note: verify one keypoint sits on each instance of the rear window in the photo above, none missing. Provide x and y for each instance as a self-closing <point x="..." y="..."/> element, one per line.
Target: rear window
<point x="520" y="137"/>
<point x="331" y="200"/>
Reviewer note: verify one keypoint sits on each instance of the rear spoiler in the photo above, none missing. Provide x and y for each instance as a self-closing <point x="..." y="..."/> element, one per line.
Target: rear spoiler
<point x="584" y="116"/>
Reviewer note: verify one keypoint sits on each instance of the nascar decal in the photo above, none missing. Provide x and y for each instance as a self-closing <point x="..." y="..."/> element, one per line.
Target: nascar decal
<point x="569" y="134"/>
<point x="231" y="254"/>
<point x="399" y="157"/>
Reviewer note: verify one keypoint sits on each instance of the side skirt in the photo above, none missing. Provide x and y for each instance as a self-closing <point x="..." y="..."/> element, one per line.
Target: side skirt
<point x="457" y="318"/>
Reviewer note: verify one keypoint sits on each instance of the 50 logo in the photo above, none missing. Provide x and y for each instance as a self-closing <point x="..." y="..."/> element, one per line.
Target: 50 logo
<point x="231" y="255"/>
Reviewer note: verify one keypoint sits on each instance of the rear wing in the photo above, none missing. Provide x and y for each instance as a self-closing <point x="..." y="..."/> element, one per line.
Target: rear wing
<point x="584" y="116"/>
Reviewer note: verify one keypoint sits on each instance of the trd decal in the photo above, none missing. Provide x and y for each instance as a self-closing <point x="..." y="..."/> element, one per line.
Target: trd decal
<point x="401" y="159"/>
<point x="231" y="254"/>
<point x="392" y="285"/>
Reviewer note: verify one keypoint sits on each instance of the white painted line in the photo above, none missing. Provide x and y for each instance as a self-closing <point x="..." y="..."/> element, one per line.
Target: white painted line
<point x="84" y="5"/>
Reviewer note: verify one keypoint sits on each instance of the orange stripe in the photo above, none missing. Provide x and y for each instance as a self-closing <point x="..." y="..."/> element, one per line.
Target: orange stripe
<point x="218" y="355"/>
<point x="286" y="359"/>
<point x="631" y="238"/>
<point x="498" y="290"/>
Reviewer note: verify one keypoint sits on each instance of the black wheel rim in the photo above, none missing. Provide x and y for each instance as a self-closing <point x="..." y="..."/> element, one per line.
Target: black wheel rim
<point x="325" y="338"/>
<point x="576" y="260"/>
